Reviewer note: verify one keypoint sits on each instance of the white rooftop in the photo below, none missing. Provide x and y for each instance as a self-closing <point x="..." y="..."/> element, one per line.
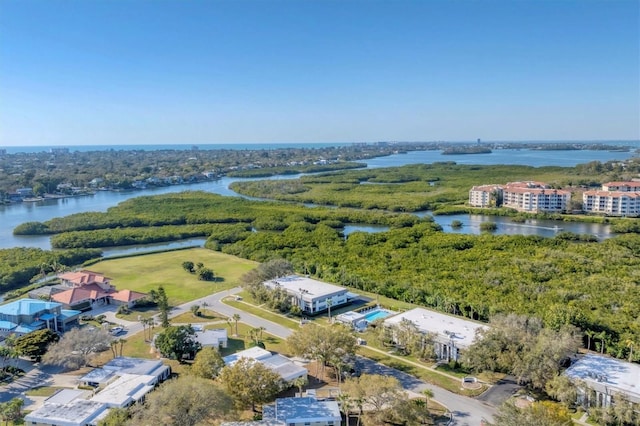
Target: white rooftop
<point x="308" y="287"/>
<point x="65" y="396"/>
<point x="78" y="412"/>
<point x="255" y="353"/>
<point x="301" y="410"/>
<point x="127" y="389"/>
<point x="211" y="337"/>
<point x="446" y="327"/>
<point x="287" y="369"/>
<point x="602" y="371"/>
<point x="126" y="365"/>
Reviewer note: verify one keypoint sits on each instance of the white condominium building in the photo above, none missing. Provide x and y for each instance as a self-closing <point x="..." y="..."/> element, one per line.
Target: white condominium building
<point x="615" y="203"/>
<point x="484" y="195"/>
<point x="526" y="196"/>
<point x="630" y="186"/>
<point x="535" y="199"/>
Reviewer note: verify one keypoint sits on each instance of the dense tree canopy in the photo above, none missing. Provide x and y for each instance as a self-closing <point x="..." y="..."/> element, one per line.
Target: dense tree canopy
<point x="207" y="363"/>
<point x="35" y="344"/>
<point x="185" y="401"/>
<point x="250" y="383"/>
<point x="523" y="347"/>
<point x="77" y="347"/>
<point x="176" y="342"/>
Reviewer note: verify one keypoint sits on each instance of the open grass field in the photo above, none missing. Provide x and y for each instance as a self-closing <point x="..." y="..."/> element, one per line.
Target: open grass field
<point x="148" y="272"/>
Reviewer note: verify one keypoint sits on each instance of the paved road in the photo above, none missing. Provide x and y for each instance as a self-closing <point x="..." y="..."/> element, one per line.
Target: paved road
<point x="466" y="411"/>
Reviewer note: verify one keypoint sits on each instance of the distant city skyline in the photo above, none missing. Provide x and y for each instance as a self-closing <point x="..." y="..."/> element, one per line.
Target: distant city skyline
<point x="144" y="72"/>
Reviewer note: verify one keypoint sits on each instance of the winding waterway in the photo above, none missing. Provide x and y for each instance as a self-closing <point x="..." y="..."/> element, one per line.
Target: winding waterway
<point x="13" y="215"/>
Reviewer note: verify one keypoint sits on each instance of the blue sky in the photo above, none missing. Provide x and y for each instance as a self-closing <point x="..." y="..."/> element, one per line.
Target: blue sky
<point x="81" y="72"/>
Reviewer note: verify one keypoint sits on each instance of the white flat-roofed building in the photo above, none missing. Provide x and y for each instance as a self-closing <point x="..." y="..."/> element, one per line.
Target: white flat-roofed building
<point x="215" y="338"/>
<point x="287" y="369"/>
<point x="627" y="186"/>
<point x="310" y="295"/>
<point x="126" y="390"/>
<point x="607" y="379"/>
<point x="78" y="412"/>
<point x="125" y="365"/>
<point x="484" y="195"/>
<point x="255" y="353"/>
<point x="614" y="203"/>
<point x="303" y="411"/>
<point x="451" y="334"/>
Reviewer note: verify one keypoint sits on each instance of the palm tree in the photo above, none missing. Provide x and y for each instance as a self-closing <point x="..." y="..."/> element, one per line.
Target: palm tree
<point x="121" y="342"/>
<point x="261" y="328"/>
<point x="590" y="334"/>
<point x="428" y="393"/>
<point x="300" y="382"/>
<point x="236" y="318"/>
<point x="603" y="339"/>
<point x="230" y="323"/>
<point x="329" y="303"/>
<point x="630" y="344"/>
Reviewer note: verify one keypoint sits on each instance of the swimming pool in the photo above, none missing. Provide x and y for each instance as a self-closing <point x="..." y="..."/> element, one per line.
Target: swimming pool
<point x="377" y="314"/>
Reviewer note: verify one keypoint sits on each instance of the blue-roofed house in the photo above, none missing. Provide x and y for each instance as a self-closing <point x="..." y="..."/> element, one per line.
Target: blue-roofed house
<point x="303" y="411"/>
<point x="26" y="315"/>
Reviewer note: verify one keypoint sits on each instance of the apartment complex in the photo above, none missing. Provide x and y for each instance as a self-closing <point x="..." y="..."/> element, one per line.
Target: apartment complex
<point x="451" y="334"/>
<point x="485" y="196"/>
<point x="605" y="380"/>
<point x="312" y="296"/>
<point x="614" y="199"/>
<point x="528" y="196"/>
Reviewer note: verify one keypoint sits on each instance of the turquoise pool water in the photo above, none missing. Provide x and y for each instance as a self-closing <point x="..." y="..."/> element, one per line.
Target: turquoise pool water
<point x="376" y="314"/>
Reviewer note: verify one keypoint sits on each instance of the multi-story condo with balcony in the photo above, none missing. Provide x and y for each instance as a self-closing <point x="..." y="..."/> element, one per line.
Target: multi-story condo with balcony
<point x="629" y="186"/>
<point x="485" y="196"/>
<point x="615" y="199"/>
<point x="529" y="196"/>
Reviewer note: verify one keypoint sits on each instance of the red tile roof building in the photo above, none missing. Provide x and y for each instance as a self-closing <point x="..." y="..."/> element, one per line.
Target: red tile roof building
<point x="527" y="196"/>
<point x="87" y="288"/>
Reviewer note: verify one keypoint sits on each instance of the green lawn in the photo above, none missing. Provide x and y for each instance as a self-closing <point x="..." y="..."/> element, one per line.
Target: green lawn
<point x="429" y="376"/>
<point x="43" y="391"/>
<point x="145" y="273"/>
<point x="263" y="313"/>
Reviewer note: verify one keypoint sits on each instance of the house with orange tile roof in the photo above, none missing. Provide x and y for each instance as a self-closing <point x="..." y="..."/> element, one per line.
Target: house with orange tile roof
<point x="83" y="290"/>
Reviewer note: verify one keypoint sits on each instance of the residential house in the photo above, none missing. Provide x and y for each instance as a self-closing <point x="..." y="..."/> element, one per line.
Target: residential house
<point x="451" y="334"/>
<point x="287" y="369"/>
<point x="83" y="290"/>
<point x="121" y="382"/>
<point x="303" y="411"/>
<point x="215" y="338"/>
<point x="126" y="365"/>
<point x="26" y="315"/>
<point x="605" y="380"/>
<point x="313" y="297"/>
<point x="78" y="412"/>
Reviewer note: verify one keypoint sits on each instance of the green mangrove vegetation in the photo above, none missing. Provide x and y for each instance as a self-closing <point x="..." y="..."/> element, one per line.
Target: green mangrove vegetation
<point x="420" y="186"/>
<point x="562" y="280"/>
<point x="18" y="266"/>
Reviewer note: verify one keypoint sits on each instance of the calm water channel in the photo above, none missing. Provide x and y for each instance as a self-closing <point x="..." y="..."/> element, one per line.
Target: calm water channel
<point x="13" y="215"/>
